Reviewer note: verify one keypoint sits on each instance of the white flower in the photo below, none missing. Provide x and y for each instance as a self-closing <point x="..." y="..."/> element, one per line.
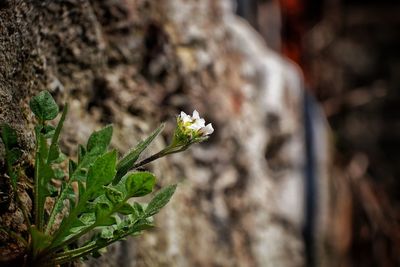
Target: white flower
<point x="207" y="130"/>
<point x="194" y="125"/>
<point x="185" y="118"/>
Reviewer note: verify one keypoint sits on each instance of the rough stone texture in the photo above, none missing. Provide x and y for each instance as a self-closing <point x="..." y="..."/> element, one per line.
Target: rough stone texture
<point x="135" y="63"/>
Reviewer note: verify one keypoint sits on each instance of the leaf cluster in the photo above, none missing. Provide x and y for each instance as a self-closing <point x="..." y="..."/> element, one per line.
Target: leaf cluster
<point x="95" y="196"/>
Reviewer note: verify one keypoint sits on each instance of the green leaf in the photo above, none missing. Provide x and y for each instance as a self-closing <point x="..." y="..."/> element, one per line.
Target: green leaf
<point x="48" y="131"/>
<point x="71" y="167"/>
<point x="99" y="140"/>
<point x="103" y="217"/>
<point x="88" y="218"/>
<point x="139" y="183"/>
<point x="139" y="211"/>
<point x="101" y="173"/>
<point x="103" y="209"/>
<point x="141" y="225"/>
<point x="80" y="175"/>
<point x="59" y="174"/>
<point x="77" y="227"/>
<point x="81" y="153"/>
<point x="45" y="173"/>
<point x="160" y="200"/>
<point x="43" y="106"/>
<point x="126" y="163"/>
<point x="127" y="209"/>
<point x="52" y="189"/>
<point x="67" y="193"/>
<point x="81" y="189"/>
<point x="13" y="155"/>
<point x="9" y="136"/>
<point x="114" y="195"/>
<point x="107" y="233"/>
<point x="42" y="149"/>
<point x="54" y="153"/>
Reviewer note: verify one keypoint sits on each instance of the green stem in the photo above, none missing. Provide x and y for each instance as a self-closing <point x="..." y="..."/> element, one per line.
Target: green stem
<point x="56" y="135"/>
<point x="166" y="151"/>
<point x="66" y="226"/>
<point x="41" y="146"/>
<point x="60" y="201"/>
<point x="86" y="230"/>
<point x="53" y="144"/>
<point x="36" y="188"/>
<point x="69" y="254"/>
<point x="86" y="251"/>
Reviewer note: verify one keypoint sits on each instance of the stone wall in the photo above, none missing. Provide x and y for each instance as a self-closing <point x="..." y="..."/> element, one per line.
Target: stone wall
<point x="135" y="63"/>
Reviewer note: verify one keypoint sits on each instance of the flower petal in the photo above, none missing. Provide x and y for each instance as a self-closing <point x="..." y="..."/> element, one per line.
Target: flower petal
<point x="196" y="115"/>
<point x="185" y="118"/>
<point x="207" y="130"/>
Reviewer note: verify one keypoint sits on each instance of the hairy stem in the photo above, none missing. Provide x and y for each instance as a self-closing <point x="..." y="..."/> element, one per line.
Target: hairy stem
<point x="166" y="151"/>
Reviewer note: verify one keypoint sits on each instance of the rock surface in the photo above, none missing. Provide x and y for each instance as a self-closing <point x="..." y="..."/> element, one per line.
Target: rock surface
<point x="135" y="63"/>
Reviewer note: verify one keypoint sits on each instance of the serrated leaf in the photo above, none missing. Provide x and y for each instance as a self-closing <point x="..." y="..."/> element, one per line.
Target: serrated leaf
<point x="127" y="162"/>
<point x="138" y="184"/>
<point x="100" y="173"/>
<point x="43" y="106"/>
<point x="160" y="200"/>
<point x="114" y="195"/>
<point x="99" y="140"/>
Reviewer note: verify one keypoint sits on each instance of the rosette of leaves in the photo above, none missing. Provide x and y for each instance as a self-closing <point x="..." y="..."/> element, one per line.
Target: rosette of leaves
<point x="93" y="197"/>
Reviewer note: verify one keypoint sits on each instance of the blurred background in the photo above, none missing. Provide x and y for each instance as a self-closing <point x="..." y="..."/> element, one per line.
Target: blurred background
<point x="349" y="54"/>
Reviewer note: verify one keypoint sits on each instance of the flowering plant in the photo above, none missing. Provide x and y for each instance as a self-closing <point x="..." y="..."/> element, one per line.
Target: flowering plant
<point x="191" y="129"/>
<point x="99" y="208"/>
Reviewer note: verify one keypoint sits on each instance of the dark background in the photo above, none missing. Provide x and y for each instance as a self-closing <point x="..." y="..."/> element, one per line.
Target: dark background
<point x="349" y="52"/>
